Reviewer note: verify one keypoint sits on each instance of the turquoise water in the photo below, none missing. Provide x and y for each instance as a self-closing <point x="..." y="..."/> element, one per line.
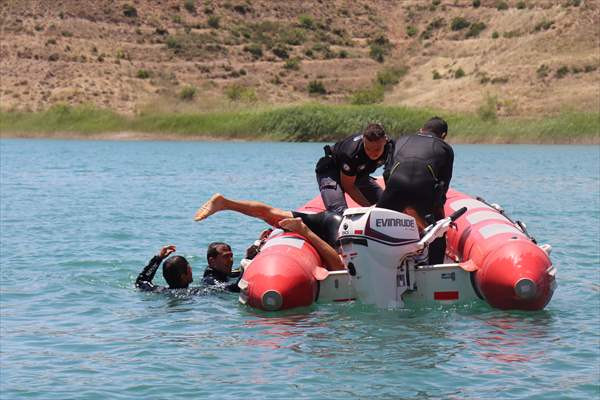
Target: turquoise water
<point x="80" y="219"/>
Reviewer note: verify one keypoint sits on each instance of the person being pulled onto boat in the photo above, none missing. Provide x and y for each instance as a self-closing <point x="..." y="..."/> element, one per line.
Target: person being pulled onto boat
<point x="417" y="177"/>
<point x="319" y="229"/>
<point x="346" y="166"/>
<point x="178" y="272"/>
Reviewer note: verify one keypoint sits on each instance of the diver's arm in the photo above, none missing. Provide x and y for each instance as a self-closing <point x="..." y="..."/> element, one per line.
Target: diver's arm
<point x="348" y="186"/>
<point x="330" y="257"/>
<point x="144" y="279"/>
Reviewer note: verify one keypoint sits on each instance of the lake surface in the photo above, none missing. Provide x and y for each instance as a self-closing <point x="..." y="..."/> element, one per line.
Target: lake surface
<point x="80" y="219"/>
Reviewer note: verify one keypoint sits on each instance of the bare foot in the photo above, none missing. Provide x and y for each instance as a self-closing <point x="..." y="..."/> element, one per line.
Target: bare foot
<point x="214" y="204"/>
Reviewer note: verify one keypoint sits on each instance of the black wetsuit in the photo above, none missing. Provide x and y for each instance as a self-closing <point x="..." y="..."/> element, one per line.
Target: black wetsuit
<point x="349" y="157"/>
<point x="144" y="280"/>
<point x="418" y="175"/>
<point x="324" y="224"/>
<point x="213" y="277"/>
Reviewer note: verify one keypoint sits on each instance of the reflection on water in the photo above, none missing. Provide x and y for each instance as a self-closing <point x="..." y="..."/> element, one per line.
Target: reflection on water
<point x="509" y="338"/>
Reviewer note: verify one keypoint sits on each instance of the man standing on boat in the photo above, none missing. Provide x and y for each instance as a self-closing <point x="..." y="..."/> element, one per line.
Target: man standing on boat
<point x="417" y="177"/>
<point x="346" y="166"/>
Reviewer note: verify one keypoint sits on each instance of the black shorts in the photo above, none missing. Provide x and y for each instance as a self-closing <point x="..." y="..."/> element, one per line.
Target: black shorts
<point x="324" y="224"/>
<point x="334" y="197"/>
<point x="411" y="185"/>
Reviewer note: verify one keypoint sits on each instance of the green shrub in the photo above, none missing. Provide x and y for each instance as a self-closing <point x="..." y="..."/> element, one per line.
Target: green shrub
<point x="511" y="34"/>
<point x="240" y="93"/>
<point x="499" y="80"/>
<point x="254" y="49"/>
<point x="390" y="76"/>
<point x="459" y="73"/>
<point x="306" y="22"/>
<point x="343" y="54"/>
<point x="543" y="25"/>
<point x="521" y="5"/>
<point x="459" y="23"/>
<point x="292" y="64"/>
<point x="143" y="74"/>
<point x="187" y="93"/>
<point x="411" y="31"/>
<point x="487" y="111"/>
<point x="543" y="71"/>
<point x="432" y="26"/>
<point x="214" y="21"/>
<point x="475" y="29"/>
<point x="173" y="43"/>
<point x="293" y="37"/>
<point x="561" y="72"/>
<point x="122" y="55"/>
<point x="129" y="11"/>
<point x="590" y="68"/>
<point x="436" y="75"/>
<point x="371" y="95"/>
<point x="281" y="52"/>
<point x="495" y="35"/>
<point x="501" y="5"/>
<point x="377" y="53"/>
<point x="316" y="87"/>
<point x="476" y="3"/>
<point x="242" y="8"/>
<point x="190" y="5"/>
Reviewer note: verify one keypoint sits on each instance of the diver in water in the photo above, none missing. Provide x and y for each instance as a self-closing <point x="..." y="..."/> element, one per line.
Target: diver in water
<point x="178" y="272"/>
<point x="346" y="166"/>
<point x="417" y="177"/>
<point x="218" y="272"/>
<point x="319" y="229"/>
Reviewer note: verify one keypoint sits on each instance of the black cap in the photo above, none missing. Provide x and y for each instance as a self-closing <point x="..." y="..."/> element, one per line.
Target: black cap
<point x="436" y="125"/>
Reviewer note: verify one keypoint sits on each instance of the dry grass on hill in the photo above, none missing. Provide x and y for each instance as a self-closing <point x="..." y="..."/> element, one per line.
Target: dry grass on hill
<point x="535" y="57"/>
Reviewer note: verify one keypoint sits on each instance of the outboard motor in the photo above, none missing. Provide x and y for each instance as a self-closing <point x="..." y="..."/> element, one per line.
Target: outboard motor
<point x="382" y="250"/>
<point x="375" y="243"/>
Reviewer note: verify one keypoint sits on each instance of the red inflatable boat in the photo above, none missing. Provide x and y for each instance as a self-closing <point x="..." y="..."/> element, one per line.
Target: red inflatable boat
<point x="489" y="257"/>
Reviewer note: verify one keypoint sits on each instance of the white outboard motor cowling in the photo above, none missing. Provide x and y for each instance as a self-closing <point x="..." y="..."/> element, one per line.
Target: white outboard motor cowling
<point x="374" y="244"/>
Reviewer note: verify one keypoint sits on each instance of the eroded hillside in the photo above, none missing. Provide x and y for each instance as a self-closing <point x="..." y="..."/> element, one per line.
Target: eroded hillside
<point x="528" y="57"/>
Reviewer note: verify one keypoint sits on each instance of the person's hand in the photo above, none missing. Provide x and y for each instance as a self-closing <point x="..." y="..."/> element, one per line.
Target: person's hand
<point x="251" y="251"/>
<point x="166" y="251"/>
<point x="265" y="234"/>
<point x="294" y="225"/>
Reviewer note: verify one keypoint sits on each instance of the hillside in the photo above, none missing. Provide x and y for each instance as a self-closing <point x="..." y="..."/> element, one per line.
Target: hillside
<point x="521" y="57"/>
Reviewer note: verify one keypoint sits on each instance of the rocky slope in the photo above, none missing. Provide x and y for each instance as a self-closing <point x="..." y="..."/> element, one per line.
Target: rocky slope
<point x="525" y="57"/>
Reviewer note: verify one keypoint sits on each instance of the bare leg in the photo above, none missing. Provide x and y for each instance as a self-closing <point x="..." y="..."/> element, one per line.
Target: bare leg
<point x="255" y="209"/>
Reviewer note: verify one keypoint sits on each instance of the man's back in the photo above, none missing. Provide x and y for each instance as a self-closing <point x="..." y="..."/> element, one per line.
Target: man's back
<point x="424" y="149"/>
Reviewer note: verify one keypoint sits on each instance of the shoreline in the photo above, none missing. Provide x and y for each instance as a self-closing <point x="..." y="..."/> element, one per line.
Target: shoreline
<point x="311" y="122"/>
<point x="131" y="136"/>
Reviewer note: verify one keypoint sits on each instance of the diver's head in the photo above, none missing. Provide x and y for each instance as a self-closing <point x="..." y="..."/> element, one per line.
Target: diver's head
<point x="220" y="257"/>
<point x="436" y="126"/>
<point x="374" y="140"/>
<point x="177" y="272"/>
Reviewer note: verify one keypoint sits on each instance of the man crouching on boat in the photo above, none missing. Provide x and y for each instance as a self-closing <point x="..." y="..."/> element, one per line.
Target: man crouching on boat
<point x="319" y="229"/>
